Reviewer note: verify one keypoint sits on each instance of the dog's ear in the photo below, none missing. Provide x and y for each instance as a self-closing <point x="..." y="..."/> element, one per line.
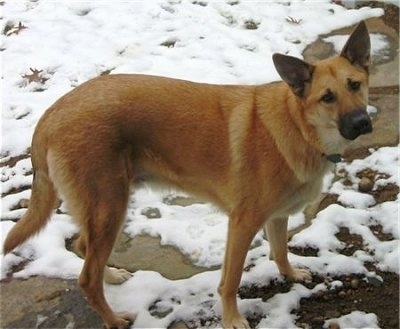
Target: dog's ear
<point x="358" y="47"/>
<point x="295" y="72"/>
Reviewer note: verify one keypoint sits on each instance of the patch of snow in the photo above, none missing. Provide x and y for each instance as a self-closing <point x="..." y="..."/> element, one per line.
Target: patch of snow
<point x="356" y="320"/>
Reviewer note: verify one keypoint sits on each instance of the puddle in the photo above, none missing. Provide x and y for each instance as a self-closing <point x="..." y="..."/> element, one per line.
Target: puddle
<point x="146" y="253"/>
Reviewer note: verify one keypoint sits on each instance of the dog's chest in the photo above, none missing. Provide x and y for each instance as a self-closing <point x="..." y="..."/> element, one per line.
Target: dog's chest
<point x="303" y="195"/>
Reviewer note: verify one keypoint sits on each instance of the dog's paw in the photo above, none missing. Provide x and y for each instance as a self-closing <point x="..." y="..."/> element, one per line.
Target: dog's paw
<point x="123" y="321"/>
<point x="299" y="275"/>
<point x="114" y="275"/>
<point x="236" y="323"/>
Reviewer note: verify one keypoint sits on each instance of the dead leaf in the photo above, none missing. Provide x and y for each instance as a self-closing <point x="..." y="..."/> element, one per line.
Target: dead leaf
<point x="34" y="77"/>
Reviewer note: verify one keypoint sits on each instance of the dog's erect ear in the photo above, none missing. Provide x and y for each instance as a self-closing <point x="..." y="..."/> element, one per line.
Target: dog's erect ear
<point x="295" y="72"/>
<point x="358" y="47"/>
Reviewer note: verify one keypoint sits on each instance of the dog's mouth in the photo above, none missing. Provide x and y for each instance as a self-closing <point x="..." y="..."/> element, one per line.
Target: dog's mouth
<point x="355" y="123"/>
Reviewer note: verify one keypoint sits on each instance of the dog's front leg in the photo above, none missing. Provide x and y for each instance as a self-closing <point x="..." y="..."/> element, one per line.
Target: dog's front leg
<point x="240" y="235"/>
<point x="277" y="237"/>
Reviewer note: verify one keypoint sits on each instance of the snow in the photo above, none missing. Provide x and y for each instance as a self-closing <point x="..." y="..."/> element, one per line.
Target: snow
<point x="355" y="320"/>
<point x="378" y="44"/>
<point x="74" y="41"/>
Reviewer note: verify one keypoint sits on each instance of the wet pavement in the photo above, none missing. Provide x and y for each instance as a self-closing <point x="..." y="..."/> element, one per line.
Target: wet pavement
<point x="41" y="302"/>
<point x="56" y="303"/>
<point x="146" y="253"/>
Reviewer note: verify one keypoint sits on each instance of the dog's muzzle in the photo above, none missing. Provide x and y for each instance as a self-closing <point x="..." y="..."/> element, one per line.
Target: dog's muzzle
<point x="354" y="124"/>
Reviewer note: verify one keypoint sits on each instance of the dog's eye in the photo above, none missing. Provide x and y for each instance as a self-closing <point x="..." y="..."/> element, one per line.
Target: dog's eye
<point x="354" y="85"/>
<point x="329" y="97"/>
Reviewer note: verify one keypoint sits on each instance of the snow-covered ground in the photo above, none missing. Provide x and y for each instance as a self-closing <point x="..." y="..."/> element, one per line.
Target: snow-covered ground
<point x="219" y="42"/>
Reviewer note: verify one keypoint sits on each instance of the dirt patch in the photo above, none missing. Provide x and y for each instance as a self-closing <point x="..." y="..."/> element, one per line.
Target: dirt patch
<point x="378" y="295"/>
<point x="358" y="292"/>
<point x="7" y="161"/>
<point x="370" y="294"/>
<point x="388" y="192"/>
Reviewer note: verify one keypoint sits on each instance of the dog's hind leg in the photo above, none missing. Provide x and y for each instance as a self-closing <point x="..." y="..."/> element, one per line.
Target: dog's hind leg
<point x="97" y="195"/>
<point x="112" y="275"/>
<point x="100" y="228"/>
<point x="277" y="237"/>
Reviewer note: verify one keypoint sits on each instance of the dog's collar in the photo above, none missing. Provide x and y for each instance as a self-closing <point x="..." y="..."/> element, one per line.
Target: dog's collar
<point x="334" y="158"/>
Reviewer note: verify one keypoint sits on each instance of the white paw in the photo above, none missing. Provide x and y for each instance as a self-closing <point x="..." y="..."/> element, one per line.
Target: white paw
<point x="299" y="275"/>
<point x="114" y="275"/>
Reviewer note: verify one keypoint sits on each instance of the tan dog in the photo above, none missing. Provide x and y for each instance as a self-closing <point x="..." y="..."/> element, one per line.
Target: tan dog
<point x="258" y="152"/>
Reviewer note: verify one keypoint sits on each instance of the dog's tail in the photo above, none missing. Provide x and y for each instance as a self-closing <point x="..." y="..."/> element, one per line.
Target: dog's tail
<point x="41" y="204"/>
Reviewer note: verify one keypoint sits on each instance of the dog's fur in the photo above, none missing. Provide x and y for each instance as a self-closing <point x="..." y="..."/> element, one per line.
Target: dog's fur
<point x="258" y="152"/>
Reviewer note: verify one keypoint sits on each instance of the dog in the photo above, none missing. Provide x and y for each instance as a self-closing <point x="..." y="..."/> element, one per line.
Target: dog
<point x="258" y="152"/>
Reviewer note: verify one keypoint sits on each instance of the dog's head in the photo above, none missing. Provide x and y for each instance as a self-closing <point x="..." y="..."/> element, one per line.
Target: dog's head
<point x="334" y="91"/>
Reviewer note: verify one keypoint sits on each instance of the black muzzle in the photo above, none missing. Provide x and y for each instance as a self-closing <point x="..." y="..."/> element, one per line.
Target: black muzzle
<point x="354" y="124"/>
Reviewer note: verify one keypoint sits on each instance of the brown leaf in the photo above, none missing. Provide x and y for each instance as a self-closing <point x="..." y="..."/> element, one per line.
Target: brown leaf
<point x="34" y="77"/>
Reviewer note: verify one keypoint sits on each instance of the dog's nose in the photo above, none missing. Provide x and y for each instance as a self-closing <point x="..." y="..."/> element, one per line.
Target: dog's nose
<point x="354" y="124"/>
<point x="362" y="124"/>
